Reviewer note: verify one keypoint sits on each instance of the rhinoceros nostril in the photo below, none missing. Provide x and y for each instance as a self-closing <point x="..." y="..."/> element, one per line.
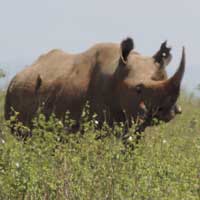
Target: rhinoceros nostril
<point x="138" y="90"/>
<point x="143" y="106"/>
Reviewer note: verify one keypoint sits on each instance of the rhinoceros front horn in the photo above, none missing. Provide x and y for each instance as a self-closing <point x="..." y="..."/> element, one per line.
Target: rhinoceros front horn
<point x="172" y="85"/>
<point x="176" y="79"/>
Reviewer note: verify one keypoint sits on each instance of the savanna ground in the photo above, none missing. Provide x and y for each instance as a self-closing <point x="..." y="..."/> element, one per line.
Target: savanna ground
<point x="164" y="165"/>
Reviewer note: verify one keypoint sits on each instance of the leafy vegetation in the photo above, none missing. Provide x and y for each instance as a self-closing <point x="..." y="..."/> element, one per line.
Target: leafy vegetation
<point x="56" y="164"/>
<point x="2" y="73"/>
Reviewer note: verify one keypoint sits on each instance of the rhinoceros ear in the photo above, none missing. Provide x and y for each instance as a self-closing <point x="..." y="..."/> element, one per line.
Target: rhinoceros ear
<point x="126" y="46"/>
<point x="162" y="54"/>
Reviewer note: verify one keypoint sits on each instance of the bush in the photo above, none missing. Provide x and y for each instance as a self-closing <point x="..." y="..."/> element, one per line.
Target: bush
<point x="57" y="164"/>
<point x="2" y="73"/>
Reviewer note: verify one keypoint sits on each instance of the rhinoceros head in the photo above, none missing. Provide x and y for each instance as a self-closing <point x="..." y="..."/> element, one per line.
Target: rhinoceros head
<point x="143" y="81"/>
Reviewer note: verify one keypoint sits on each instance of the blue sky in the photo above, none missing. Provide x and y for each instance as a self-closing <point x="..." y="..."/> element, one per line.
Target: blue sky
<point x="32" y="27"/>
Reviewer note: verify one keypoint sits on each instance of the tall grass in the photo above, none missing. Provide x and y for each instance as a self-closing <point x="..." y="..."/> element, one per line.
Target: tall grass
<point x="54" y="164"/>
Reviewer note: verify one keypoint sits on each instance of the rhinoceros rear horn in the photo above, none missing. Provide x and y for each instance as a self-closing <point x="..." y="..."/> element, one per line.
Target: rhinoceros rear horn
<point x="126" y="46"/>
<point x="176" y="79"/>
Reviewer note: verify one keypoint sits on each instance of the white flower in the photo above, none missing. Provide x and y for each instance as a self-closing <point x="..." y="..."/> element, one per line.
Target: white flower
<point x="130" y="138"/>
<point x="164" y="141"/>
<point x="96" y="122"/>
<point x="2" y="141"/>
<point x="60" y="123"/>
<point x="17" y="164"/>
<point x="197" y="146"/>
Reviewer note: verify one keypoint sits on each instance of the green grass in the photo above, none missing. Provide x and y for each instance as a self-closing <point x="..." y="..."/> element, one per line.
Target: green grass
<point x="165" y="165"/>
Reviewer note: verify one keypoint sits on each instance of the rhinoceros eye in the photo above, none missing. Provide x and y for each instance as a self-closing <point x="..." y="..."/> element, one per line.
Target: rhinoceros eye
<point x="138" y="88"/>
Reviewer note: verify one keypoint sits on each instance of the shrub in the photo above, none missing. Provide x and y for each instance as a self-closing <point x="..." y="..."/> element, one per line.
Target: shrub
<point x="57" y="164"/>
